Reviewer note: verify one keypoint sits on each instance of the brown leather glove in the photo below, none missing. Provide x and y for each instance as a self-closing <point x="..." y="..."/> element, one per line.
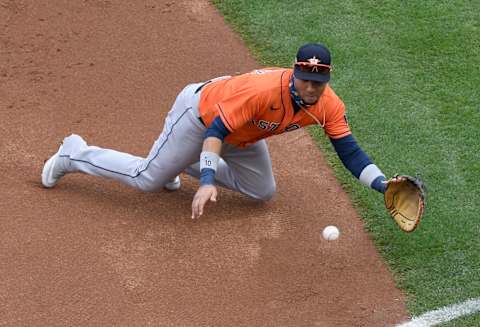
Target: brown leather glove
<point x="405" y="200"/>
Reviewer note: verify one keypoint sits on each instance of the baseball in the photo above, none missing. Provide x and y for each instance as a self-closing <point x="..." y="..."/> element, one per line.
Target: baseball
<point x="330" y="233"/>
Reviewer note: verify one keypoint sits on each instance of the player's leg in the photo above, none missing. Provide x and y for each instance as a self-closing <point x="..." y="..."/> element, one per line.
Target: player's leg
<point x="246" y="170"/>
<point x="178" y="146"/>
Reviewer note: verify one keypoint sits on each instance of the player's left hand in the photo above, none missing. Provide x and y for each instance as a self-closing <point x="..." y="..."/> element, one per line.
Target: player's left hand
<point x="204" y="193"/>
<point x="405" y="200"/>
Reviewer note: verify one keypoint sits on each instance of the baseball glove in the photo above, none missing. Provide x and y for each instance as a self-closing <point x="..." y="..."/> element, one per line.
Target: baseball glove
<point x="405" y="200"/>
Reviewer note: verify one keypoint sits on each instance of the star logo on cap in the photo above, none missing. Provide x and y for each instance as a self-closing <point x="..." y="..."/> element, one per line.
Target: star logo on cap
<point x="314" y="61"/>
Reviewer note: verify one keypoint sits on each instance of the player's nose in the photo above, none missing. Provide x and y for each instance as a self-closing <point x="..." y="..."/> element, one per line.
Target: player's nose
<point x="310" y="86"/>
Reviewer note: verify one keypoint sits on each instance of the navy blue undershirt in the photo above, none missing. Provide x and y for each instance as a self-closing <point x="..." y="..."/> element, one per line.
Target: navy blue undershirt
<point x="351" y="155"/>
<point x="217" y="129"/>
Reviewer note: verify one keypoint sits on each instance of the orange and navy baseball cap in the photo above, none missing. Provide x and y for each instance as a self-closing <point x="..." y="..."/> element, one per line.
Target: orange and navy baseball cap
<point x="313" y="63"/>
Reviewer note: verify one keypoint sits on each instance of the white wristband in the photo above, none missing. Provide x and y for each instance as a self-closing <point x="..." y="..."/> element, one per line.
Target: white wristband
<point x="209" y="160"/>
<point x="369" y="174"/>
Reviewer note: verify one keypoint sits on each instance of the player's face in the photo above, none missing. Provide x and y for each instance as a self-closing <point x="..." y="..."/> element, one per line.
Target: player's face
<point x="309" y="91"/>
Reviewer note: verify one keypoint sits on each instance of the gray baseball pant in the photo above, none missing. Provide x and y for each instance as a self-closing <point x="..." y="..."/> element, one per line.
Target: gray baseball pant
<point x="246" y="170"/>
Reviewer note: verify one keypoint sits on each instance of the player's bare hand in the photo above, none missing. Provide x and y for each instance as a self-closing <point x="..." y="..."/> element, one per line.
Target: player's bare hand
<point x="204" y="193"/>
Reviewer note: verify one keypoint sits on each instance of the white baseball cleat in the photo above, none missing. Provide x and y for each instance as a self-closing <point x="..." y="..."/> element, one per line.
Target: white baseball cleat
<point x="52" y="170"/>
<point x="174" y="184"/>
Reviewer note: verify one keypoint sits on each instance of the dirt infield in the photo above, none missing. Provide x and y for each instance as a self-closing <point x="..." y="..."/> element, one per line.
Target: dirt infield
<point x="91" y="252"/>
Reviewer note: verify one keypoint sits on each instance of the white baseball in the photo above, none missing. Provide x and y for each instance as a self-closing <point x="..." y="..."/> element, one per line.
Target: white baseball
<point x="331" y="233"/>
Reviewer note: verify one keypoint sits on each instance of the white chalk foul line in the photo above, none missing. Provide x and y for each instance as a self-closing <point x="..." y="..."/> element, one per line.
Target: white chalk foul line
<point x="444" y="314"/>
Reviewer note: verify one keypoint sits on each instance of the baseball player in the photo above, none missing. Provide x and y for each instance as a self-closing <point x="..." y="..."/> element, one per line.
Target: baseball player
<point x="215" y="131"/>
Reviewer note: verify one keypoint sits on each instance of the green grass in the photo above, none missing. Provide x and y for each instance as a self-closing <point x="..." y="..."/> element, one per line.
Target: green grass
<point x="409" y="74"/>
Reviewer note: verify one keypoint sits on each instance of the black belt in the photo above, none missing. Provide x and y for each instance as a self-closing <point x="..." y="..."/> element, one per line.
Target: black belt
<point x="201" y="87"/>
<point x="198" y="90"/>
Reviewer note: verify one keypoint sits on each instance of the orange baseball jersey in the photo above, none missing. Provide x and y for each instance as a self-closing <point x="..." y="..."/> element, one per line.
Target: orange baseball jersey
<point x="257" y="105"/>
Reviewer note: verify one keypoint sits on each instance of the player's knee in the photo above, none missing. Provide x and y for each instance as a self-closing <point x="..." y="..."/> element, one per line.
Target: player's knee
<point x="267" y="193"/>
<point x="148" y="186"/>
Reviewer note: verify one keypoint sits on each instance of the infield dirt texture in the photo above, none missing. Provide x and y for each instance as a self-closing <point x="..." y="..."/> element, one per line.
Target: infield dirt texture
<point x="91" y="252"/>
